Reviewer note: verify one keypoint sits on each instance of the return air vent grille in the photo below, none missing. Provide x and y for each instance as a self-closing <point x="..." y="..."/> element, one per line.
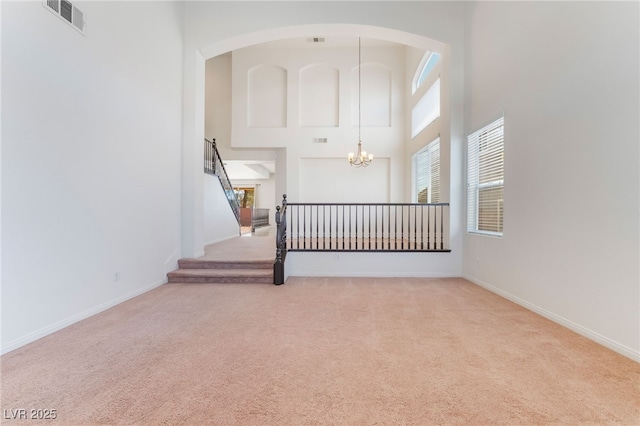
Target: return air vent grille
<point x="54" y="4"/>
<point x="67" y="11"/>
<point x="319" y="140"/>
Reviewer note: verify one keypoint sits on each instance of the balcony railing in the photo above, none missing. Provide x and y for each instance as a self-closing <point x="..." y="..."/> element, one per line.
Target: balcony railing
<point x="362" y="227"/>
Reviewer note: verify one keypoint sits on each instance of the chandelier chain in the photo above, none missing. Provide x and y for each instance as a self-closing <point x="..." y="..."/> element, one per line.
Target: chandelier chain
<point x="361" y="159"/>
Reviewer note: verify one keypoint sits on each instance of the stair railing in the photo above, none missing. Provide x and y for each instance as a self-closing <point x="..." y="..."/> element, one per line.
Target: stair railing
<point x="368" y="227"/>
<point x="213" y="165"/>
<point x="281" y="242"/>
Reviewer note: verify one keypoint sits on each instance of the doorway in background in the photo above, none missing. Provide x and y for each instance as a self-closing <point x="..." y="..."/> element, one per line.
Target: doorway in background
<point x="246" y="198"/>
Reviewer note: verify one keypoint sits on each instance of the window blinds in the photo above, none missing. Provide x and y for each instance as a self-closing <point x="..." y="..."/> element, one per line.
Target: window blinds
<point x="485" y="179"/>
<point x="427" y="173"/>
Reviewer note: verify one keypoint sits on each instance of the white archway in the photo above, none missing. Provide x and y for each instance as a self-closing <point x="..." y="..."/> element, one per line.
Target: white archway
<point x="193" y="112"/>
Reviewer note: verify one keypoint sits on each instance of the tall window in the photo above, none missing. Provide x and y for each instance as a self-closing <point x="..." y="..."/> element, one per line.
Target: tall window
<point x="426" y="110"/>
<point x="485" y="179"/>
<point x="426" y="169"/>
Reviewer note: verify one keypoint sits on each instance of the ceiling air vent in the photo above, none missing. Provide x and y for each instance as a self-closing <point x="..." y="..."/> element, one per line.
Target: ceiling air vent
<point x="67" y="11"/>
<point x="319" y="140"/>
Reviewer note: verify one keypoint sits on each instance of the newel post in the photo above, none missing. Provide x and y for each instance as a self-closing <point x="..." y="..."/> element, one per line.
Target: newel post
<point x="281" y="242"/>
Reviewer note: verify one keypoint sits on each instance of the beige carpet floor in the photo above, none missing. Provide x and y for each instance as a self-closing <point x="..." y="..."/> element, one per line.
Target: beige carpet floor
<point x="321" y="351"/>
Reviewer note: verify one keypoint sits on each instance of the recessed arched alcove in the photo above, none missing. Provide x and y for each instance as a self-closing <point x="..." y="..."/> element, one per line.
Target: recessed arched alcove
<point x="267" y="96"/>
<point x="319" y="96"/>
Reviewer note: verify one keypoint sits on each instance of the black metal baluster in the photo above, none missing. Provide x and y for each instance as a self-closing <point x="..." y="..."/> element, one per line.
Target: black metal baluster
<point x="375" y="229"/>
<point x="369" y="226"/>
<point x="330" y="227"/>
<point x="421" y="227"/>
<point x="362" y="226"/>
<point x="429" y="228"/>
<point x="402" y="227"/>
<point x="343" y="222"/>
<point x="349" y="226"/>
<point x="324" y="220"/>
<point x="395" y="231"/>
<point x="389" y="227"/>
<point x="441" y="227"/>
<point x="356" y="217"/>
<point x="415" y="227"/>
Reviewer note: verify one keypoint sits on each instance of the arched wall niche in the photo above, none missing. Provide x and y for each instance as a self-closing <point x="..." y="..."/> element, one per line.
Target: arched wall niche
<point x="319" y="95"/>
<point x="267" y="96"/>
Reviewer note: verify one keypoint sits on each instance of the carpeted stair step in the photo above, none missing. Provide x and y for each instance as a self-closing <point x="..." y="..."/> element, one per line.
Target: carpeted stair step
<point x="220" y="264"/>
<point x="227" y="275"/>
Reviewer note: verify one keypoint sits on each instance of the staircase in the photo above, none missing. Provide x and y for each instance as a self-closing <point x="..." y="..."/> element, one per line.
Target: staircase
<point x="217" y="271"/>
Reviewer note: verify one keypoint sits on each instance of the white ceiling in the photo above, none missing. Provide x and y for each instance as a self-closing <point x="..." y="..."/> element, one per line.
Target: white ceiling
<point x="249" y="169"/>
<point x="328" y="42"/>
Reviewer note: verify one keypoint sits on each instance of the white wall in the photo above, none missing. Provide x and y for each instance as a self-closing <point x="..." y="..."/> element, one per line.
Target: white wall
<point x="218" y="100"/>
<point x="565" y="75"/>
<point x="348" y="264"/>
<point x="91" y="147"/>
<point x="334" y="180"/>
<point x="381" y="135"/>
<point x="219" y="221"/>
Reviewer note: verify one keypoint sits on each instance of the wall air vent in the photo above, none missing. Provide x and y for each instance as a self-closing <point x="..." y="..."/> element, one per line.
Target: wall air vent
<point x="319" y="140"/>
<point x="67" y="12"/>
<point x="54" y="4"/>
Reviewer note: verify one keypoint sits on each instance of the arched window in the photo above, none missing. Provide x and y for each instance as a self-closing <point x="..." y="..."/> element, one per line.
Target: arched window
<point x="427" y="64"/>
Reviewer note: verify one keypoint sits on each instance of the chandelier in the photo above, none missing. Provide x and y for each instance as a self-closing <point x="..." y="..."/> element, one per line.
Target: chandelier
<point x="361" y="158"/>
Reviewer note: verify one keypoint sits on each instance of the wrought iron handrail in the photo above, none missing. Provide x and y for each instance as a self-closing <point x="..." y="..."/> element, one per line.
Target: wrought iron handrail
<point x="213" y="165"/>
<point x="368" y="227"/>
<point x="359" y="227"/>
<point x="281" y="242"/>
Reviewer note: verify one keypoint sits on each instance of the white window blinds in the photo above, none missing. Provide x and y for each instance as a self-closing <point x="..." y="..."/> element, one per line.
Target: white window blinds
<point x="427" y="173"/>
<point x="485" y="179"/>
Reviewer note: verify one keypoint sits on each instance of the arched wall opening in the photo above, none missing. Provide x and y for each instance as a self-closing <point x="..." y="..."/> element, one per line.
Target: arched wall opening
<point x="194" y="115"/>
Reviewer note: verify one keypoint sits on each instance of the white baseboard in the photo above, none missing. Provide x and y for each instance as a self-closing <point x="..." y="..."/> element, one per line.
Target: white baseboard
<point x="32" y="337"/>
<point x="171" y="264"/>
<point x="218" y="240"/>
<point x="369" y="274"/>
<point x="583" y="331"/>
